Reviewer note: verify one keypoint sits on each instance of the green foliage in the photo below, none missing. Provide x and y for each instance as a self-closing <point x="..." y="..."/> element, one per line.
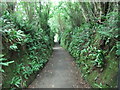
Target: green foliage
<point x="13" y="47"/>
<point x="91" y="53"/>
<point x="118" y="48"/>
<point x="4" y="62"/>
<point x="100" y="85"/>
<point x="27" y="39"/>
<point x="91" y="42"/>
<point x="16" y="81"/>
<point x="87" y="30"/>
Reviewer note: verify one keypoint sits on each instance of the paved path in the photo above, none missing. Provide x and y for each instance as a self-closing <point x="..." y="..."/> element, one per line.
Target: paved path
<point x="59" y="72"/>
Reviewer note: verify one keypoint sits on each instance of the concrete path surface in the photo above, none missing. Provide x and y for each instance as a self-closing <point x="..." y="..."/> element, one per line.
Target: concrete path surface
<point x="59" y="72"/>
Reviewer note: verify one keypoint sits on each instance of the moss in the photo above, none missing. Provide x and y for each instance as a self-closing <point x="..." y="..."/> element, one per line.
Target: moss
<point x="10" y="71"/>
<point x="108" y="76"/>
<point x="91" y="78"/>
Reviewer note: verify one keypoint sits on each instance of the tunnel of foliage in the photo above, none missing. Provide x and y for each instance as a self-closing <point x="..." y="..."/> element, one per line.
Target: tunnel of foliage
<point x="88" y="30"/>
<point x="27" y="42"/>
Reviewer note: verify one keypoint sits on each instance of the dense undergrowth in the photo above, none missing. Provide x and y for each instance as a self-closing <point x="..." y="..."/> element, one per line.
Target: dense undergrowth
<point x="95" y="48"/>
<point x="88" y="30"/>
<point x="26" y="48"/>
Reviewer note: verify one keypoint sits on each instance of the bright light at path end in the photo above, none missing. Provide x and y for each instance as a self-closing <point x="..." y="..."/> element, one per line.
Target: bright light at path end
<point x="56" y="38"/>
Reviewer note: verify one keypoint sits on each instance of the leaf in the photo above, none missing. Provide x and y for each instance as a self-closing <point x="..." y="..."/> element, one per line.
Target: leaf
<point x="99" y="86"/>
<point x="1" y="70"/>
<point x="6" y="63"/>
<point x="1" y="55"/>
<point x="118" y="52"/>
<point x="13" y="47"/>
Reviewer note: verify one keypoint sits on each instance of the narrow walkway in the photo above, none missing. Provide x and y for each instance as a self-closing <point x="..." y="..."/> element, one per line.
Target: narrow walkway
<point x="59" y="72"/>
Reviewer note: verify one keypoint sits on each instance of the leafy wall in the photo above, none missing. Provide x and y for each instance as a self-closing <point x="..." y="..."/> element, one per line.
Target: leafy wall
<point x="90" y="32"/>
<point x="27" y="45"/>
<point x="96" y="51"/>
